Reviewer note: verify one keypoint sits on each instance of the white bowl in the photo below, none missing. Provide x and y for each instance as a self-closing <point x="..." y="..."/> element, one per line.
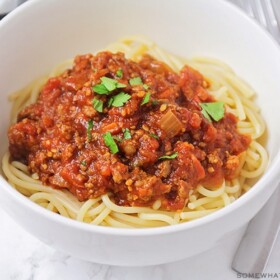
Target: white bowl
<point x="40" y="34"/>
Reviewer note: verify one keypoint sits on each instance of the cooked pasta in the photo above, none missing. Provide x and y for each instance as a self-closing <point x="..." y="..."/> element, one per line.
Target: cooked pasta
<point x="224" y="85"/>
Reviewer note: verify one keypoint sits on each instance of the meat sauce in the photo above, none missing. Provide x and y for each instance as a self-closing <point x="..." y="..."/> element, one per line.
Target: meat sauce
<point x="61" y="136"/>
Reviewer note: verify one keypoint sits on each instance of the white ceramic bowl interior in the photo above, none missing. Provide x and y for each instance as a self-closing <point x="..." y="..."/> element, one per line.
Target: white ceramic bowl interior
<point x="40" y="34"/>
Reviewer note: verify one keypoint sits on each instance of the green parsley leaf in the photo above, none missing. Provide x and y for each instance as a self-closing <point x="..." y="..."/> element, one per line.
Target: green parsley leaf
<point x="146" y="99"/>
<point x="100" y="89"/>
<point x="205" y="114"/>
<point x="110" y="142"/>
<point x="145" y="86"/>
<point x="89" y="128"/>
<point x="97" y="105"/>
<point x="119" y="73"/>
<point x="84" y="163"/>
<point x="170" y="157"/>
<point x="111" y="84"/>
<point x="107" y="85"/>
<point x="215" y="110"/>
<point x="126" y="134"/>
<point x="119" y="99"/>
<point x="110" y="102"/>
<point x="135" y="81"/>
<point x="154" y="135"/>
<point x="120" y="85"/>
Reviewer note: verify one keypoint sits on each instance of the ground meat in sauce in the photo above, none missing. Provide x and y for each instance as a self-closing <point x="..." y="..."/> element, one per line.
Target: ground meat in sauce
<point x="53" y="137"/>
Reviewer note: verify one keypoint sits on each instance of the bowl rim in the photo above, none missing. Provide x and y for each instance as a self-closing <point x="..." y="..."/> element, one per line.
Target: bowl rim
<point x="266" y="179"/>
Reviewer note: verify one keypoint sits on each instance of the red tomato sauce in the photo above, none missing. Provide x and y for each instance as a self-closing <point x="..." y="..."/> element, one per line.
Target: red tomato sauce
<point x="61" y="136"/>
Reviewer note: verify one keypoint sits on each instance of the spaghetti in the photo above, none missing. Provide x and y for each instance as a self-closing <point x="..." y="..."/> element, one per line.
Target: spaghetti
<point x="225" y="86"/>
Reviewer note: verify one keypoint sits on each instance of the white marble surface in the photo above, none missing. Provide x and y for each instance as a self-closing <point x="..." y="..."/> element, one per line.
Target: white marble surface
<point x="23" y="257"/>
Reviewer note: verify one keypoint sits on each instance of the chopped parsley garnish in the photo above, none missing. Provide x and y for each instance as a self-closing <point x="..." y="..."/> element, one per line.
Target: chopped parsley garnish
<point x="154" y="135"/>
<point x="174" y="155"/>
<point x="89" y="128"/>
<point x="119" y="99"/>
<point x="135" y="81"/>
<point x="84" y="163"/>
<point x="126" y="133"/>
<point x="110" y="102"/>
<point x="97" y="105"/>
<point x="107" y="85"/>
<point x="145" y="86"/>
<point x="100" y="89"/>
<point x="119" y="73"/>
<point x="213" y="110"/>
<point x="146" y="99"/>
<point x="111" y="84"/>
<point x="110" y="142"/>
